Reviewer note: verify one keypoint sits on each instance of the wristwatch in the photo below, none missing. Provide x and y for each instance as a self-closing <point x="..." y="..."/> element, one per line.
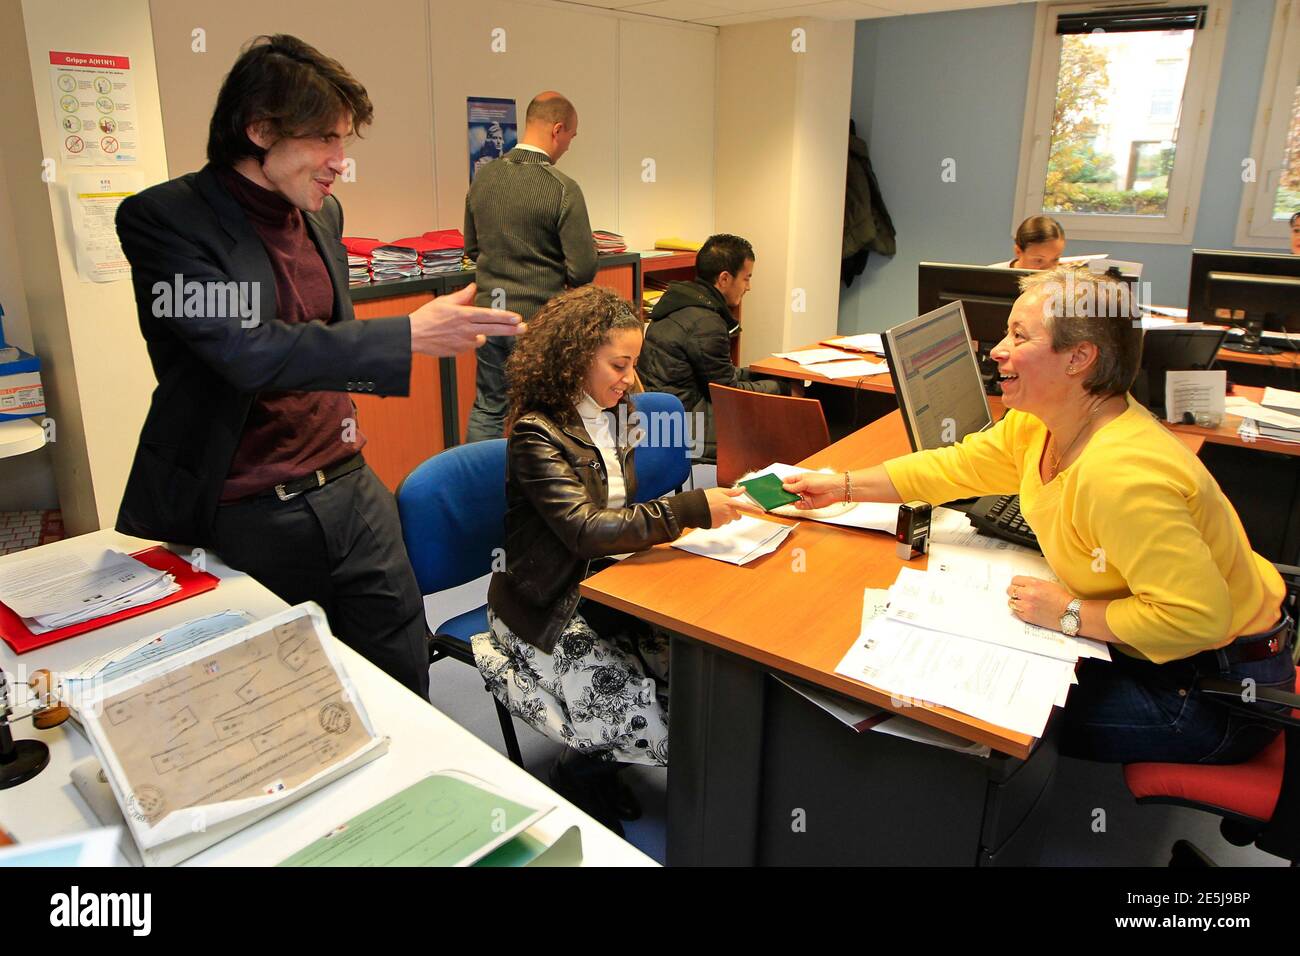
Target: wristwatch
<point x="1070" y="619"/>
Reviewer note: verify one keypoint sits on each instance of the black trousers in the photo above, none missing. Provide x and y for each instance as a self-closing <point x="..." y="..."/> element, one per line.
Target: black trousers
<point x="340" y="546"/>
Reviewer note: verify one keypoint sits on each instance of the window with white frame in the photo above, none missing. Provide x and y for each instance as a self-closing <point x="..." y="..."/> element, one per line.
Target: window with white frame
<point x="1117" y="120"/>
<point x="1271" y="173"/>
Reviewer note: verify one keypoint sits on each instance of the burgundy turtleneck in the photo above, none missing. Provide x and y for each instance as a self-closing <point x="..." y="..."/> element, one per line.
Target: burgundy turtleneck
<point x="288" y="435"/>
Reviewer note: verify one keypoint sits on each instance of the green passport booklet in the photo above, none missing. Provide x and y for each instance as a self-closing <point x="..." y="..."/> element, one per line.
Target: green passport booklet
<point x="767" y="490"/>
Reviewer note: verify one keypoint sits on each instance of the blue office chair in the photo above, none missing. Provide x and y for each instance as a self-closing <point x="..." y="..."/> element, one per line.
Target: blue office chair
<point x="452" y="508"/>
<point x="662" y="458"/>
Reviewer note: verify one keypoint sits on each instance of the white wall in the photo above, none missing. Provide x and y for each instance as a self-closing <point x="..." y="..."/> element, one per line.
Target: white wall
<point x="643" y="88"/>
<point x="781" y="161"/>
<point x="96" y="370"/>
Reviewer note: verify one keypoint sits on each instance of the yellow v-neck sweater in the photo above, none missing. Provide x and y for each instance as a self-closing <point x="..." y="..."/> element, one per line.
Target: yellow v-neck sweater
<point x="1136" y="520"/>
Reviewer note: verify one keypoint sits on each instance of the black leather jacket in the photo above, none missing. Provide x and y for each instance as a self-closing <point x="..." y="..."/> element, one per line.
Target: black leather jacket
<point x="557" y="523"/>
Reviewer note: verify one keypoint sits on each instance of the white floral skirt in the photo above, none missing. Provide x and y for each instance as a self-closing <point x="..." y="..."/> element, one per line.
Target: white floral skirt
<point x="603" y="694"/>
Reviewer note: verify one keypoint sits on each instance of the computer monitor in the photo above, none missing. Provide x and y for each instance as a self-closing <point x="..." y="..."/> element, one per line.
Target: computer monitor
<point x="987" y="292"/>
<point x="1265" y="286"/>
<point x="1171" y="349"/>
<point x="936" y="378"/>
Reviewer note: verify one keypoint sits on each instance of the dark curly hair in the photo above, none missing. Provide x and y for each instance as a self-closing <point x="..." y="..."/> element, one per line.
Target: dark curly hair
<point x="548" y="366"/>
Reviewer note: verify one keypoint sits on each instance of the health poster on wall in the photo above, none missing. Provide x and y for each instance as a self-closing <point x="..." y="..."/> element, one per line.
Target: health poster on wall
<point x="492" y="131"/>
<point x="94" y="198"/>
<point x="94" y="105"/>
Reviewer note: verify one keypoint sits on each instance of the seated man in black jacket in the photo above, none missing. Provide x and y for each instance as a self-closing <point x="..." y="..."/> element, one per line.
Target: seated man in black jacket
<point x="688" y="344"/>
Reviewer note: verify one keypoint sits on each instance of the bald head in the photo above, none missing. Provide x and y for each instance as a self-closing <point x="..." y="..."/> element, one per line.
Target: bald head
<point x="550" y="123"/>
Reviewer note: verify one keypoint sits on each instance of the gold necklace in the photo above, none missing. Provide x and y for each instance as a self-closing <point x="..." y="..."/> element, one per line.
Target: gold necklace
<point x="1056" y="459"/>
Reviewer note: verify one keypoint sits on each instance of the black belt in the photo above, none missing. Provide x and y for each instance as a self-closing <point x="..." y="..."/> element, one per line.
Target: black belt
<point x="1258" y="647"/>
<point x="318" y="478"/>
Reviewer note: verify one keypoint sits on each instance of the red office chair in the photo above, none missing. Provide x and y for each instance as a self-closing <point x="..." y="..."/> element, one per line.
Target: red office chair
<point x="1259" y="800"/>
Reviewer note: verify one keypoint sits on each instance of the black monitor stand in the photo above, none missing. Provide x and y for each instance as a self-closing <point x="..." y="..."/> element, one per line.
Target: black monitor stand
<point x="1254" y="324"/>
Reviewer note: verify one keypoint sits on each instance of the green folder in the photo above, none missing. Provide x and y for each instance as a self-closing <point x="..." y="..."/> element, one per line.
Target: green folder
<point x="443" y="820"/>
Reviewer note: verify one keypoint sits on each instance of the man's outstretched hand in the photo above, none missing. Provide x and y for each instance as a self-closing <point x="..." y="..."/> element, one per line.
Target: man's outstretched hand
<point x="452" y="324"/>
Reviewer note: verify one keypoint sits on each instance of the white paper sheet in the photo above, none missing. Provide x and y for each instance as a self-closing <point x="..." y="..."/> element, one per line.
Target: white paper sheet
<point x="866" y="342"/>
<point x="1005" y="687"/>
<point x="1200" y="392"/>
<point x="859" y="368"/>
<point x="737" y="542"/>
<point x="817" y="356"/>
<point x="936" y="602"/>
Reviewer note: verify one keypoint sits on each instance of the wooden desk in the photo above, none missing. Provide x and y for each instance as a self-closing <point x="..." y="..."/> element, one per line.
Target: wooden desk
<point x="743" y="746"/>
<point x="1225" y="434"/>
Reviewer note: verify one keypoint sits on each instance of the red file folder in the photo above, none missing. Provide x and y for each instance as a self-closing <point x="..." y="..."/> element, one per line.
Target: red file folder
<point x="192" y="582"/>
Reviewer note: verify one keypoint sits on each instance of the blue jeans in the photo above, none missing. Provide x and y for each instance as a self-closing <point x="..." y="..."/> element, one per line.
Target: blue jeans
<point x="487" y="418"/>
<point x="1130" y="710"/>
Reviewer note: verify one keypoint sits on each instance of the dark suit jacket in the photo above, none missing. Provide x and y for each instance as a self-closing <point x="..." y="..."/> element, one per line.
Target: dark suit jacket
<point x="210" y="367"/>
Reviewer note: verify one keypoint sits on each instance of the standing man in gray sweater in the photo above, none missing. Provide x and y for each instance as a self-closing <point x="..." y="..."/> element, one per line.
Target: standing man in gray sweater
<point x="527" y="230"/>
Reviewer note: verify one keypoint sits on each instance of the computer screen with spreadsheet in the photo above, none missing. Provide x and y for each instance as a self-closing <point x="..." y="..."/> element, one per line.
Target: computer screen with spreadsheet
<point x="940" y="393"/>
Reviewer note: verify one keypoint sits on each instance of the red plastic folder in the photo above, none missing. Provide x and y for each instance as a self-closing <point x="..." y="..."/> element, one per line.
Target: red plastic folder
<point x="192" y="582"/>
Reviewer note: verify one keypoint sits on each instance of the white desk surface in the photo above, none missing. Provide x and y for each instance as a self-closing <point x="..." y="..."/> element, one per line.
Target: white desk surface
<point x="19" y="436"/>
<point x="423" y="740"/>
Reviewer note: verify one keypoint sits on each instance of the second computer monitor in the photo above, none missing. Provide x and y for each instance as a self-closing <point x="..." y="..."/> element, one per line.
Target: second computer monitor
<point x="1264" y="286"/>
<point x="986" y="292"/>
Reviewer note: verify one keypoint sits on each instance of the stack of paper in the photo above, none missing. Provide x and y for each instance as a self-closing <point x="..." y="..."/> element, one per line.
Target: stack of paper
<point x="737" y="542"/>
<point x="358" y="269"/>
<point x="1266" y="420"/>
<point x="946" y="635"/>
<point x="867" y="342"/>
<point x="361" y="250"/>
<point x="53" y="591"/>
<point x="444" y="253"/>
<point x="608" y="243"/>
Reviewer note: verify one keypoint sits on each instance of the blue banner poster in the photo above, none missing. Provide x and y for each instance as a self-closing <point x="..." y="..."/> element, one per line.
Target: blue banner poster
<point x="493" y="131"/>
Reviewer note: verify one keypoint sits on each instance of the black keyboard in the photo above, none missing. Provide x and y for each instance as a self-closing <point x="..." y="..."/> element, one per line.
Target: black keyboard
<point x="999" y="517"/>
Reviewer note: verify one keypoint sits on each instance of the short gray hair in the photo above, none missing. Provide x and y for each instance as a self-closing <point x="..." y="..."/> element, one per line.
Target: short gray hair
<point x="1081" y="306"/>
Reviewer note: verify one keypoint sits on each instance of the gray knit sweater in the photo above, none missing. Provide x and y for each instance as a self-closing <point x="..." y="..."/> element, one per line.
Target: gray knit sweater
<point x="526" y="228"/>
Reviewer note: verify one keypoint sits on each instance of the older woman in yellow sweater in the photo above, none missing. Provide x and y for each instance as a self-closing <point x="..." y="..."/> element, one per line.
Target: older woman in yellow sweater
<point x="1150" y="555"/>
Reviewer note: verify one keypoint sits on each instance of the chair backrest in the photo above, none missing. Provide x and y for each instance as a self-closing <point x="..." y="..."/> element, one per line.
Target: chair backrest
<point x="755" y="429"/>
<point x="662" y="458"/>
<point x="453" y="509"/>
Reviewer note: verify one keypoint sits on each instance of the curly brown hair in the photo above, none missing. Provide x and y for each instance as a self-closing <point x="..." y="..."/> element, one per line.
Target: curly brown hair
<point x="548" y="366"/>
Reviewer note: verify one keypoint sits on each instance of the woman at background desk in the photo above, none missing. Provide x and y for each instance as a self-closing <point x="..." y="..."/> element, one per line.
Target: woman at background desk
<point x="1151" y="556"/>
<point x="580" y="673"/>
<point x="1039" y="243"/>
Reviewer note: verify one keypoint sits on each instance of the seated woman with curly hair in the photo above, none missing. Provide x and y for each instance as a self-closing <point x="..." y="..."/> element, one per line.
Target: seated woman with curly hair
<point x="585" y="675"/>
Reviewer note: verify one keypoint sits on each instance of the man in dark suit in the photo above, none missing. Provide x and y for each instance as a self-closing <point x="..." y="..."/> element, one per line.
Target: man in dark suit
<point x="251" y="444"/>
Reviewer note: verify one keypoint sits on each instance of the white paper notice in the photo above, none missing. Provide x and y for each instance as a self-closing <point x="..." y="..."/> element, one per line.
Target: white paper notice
<point x="1201" y="393"/>
<point x="736" y="542"/>
<point x="94" y="105"/>
<point x="94" y="198"/>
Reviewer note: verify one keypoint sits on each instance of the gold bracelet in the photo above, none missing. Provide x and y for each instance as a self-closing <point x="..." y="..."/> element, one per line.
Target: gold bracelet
<point x="848" y="488"/>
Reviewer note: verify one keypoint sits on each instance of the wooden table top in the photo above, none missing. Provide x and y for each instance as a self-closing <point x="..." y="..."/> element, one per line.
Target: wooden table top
<point x="1226" y="434"/>
<point x="798" y="609"/>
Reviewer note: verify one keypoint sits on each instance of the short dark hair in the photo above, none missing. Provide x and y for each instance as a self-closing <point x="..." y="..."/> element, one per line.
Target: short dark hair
<point x="1038" y="229"/>
<point x="282" y="81"/>
<point x="722" y="253"/>
<point x="550" y="110"/>
<point x="1294" y="216"/>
